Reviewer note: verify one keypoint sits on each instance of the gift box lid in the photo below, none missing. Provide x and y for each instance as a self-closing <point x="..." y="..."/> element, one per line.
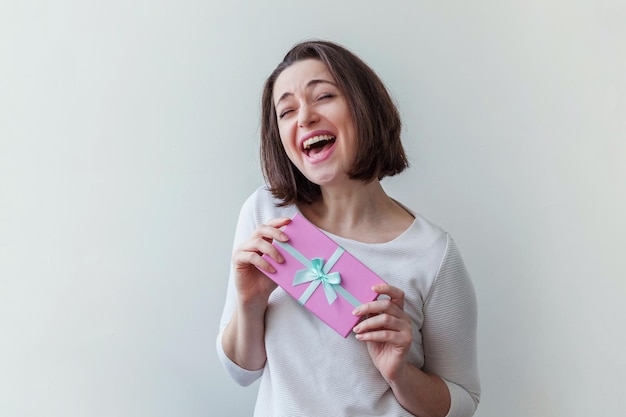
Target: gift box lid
<point x="324" y="277"/>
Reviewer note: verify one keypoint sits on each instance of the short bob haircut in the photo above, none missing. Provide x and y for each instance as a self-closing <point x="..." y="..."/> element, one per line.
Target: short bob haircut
<point x="377" y="123"/>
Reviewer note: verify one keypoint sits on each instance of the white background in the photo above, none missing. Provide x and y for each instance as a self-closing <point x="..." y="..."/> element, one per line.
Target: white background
<point x="128" y="141"/>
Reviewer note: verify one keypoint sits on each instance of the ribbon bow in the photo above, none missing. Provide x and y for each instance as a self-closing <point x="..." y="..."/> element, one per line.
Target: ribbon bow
<point x="317" y="273"/>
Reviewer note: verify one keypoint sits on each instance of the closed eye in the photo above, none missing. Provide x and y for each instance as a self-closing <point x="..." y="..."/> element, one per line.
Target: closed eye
<point x="325" y="96"/>
<point x="284" y="113"/>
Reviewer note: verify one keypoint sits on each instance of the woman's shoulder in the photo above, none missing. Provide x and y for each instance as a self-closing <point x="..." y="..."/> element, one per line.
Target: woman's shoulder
<point x="421" y="226"/>
<point x="427" y="229"/>
<point x="422" y="229"/>
<point x="263" y="206"/>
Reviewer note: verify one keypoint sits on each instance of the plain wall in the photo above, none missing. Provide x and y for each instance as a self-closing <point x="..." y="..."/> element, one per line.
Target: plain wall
<point x="128" y="141"/>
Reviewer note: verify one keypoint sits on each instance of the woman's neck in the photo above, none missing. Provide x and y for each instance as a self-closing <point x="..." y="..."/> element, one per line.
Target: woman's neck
<point x="362" y="212"/>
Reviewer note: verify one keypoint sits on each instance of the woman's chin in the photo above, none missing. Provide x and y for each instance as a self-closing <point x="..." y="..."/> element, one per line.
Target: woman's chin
<point x="330" y="179"/>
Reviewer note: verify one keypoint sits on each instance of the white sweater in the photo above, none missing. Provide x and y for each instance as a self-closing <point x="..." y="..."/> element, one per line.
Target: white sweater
<point x="312" y="371"/>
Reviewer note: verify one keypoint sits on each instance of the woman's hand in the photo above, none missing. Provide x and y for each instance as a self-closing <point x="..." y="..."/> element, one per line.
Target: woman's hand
<point x="387" y="331"/>
<point x="253" y="286"/>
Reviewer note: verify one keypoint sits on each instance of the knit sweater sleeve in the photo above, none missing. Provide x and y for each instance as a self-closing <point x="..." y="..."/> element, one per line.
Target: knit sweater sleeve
<point x="449" y="332"/>
<point x="256" y="210"/>
<point x="246" y="225"/>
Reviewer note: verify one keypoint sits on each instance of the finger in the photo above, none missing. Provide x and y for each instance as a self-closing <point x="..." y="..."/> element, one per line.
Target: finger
<point x="377" y="307"/>
<point x="386" y="336"/>
<point x="271" y="230"/>
<point x="382" y="322"/>
<point x="262" y="247"/>
<point x="279" y="222"/>
<point x="243" y="259"/>
<point x="394" y="293"/>
<point x="269" y="233"/>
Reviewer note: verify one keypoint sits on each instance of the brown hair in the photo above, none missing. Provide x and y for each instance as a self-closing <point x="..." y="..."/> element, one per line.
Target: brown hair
<point x="377" y="122"/>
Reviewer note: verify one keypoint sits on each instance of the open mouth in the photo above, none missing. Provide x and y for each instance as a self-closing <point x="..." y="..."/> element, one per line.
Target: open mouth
<point x="317" y="144"/>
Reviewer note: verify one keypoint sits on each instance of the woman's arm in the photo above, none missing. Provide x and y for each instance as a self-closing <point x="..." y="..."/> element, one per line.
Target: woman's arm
<point x="243" y="337"/>
<point x="387" y="331"/>
<point x="448" y="383"/>
<point x="449" y="333"/>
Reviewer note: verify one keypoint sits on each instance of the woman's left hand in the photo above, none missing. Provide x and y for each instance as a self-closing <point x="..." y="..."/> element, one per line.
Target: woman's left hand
<point x="387" y="331"/>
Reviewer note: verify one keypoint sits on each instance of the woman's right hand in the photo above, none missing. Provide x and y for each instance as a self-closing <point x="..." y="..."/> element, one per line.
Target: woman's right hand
<point x="253" y="286"/>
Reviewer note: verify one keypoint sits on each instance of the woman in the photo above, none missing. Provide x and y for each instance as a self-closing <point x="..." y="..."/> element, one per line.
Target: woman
<point x="330" y="132"/>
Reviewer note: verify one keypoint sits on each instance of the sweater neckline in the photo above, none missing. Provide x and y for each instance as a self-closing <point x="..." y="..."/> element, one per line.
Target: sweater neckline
<point x="398" y="238"/>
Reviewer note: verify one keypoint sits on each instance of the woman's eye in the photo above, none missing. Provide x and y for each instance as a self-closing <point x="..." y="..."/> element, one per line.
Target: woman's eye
<point x="325" y="96"/>
<point x="284" y="113"/>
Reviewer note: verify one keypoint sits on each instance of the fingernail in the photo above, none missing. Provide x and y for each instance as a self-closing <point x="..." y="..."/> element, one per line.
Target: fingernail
<point x="355" y="312"/>
<point x="284" y="237"/>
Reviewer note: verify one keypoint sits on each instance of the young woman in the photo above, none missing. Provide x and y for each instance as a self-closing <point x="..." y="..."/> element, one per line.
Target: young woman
<point x="330" y="132"/>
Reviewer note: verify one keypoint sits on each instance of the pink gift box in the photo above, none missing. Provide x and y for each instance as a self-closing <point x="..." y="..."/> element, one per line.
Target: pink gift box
<point x="322" y="276"/>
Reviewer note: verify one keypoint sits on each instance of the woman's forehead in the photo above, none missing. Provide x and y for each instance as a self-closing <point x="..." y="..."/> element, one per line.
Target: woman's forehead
<point x="301" y="75"/>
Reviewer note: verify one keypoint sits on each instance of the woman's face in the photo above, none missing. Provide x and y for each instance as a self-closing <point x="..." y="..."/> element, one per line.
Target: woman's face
<point x="314" y="122"/>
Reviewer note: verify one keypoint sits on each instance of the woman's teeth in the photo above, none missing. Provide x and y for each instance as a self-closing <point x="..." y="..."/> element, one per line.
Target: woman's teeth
<point x="315" y="139"/>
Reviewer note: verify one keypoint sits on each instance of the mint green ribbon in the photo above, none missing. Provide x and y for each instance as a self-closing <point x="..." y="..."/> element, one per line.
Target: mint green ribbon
<point x="316" y="272"/>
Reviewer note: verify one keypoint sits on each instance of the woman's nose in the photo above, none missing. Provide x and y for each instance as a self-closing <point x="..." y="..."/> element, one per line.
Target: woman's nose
<point x="307" y="116"/>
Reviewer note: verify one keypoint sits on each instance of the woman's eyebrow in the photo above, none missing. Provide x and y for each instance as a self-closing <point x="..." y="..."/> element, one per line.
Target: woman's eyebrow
<point x="310" y="84"/>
